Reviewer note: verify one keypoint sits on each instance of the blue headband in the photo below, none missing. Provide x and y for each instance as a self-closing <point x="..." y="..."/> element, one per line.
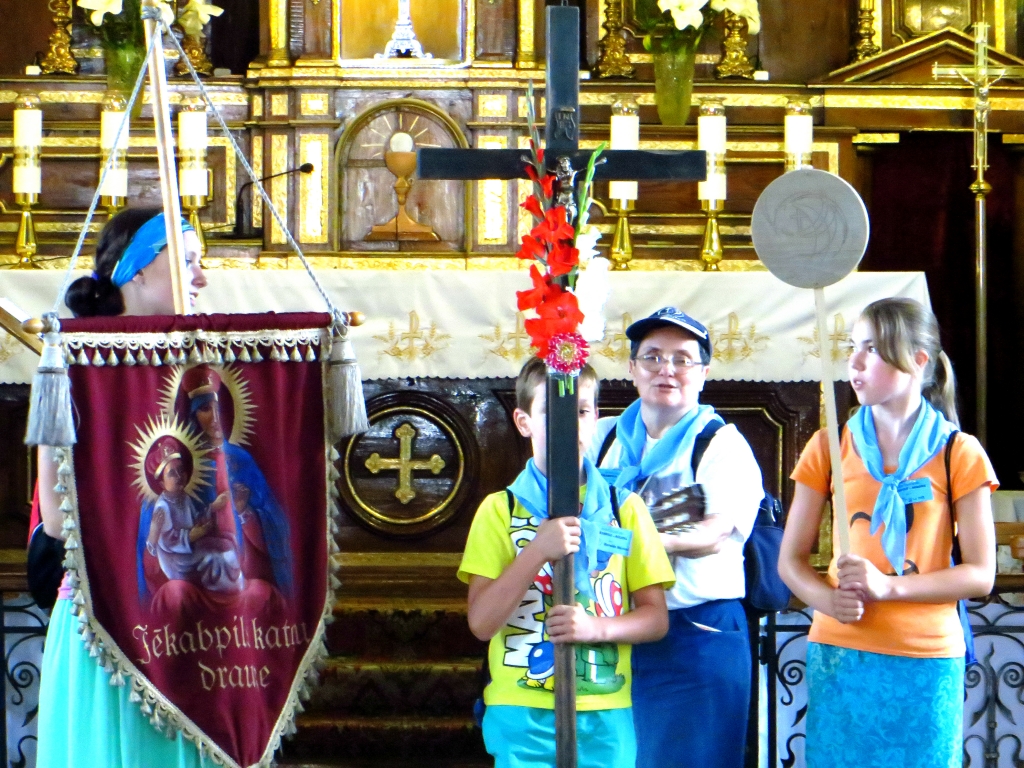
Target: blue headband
<point x="144" y="246"/>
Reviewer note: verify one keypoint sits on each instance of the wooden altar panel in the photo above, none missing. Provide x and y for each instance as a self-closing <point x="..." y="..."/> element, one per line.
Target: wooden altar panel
<point x="33" y="26"/>
<point x="777" y="419"/>
<point x="803" y="40"/>
<point x="495" y="30"/>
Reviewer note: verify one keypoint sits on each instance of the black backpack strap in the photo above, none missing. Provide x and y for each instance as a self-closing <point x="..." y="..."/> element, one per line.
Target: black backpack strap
<point x="605" y="446"/>
<point x="511" y="500"/>
<point x="957" y="557"/>
<point x="700" y="445"/>
<point x="615" y="505"/>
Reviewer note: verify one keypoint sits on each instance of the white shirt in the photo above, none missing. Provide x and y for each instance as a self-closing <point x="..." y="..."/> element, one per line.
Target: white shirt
<point x="732" y="485"/>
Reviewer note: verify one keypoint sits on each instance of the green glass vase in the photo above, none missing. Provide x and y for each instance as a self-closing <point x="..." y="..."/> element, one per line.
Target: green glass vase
<point x="673" y="83"/>
<point x="123" y="63"/>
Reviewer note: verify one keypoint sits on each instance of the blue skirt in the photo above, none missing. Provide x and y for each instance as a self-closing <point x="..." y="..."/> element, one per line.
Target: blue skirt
<point x="84" y="721"/>
<point x="868" y="710"/>
<point x="691" y="690"/>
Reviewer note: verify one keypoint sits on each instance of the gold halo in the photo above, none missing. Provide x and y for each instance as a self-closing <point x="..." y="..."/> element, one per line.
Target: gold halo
<point x="153" y="430"/>
<point x="237" y="387"/>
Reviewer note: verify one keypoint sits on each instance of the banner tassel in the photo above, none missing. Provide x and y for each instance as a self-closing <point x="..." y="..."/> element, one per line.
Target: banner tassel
<point x="345" y="403"/>
<point x="49" y="416"/>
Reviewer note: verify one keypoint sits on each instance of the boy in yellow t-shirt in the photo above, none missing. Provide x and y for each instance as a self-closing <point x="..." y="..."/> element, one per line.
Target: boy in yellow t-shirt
<point x="620" y="599"/>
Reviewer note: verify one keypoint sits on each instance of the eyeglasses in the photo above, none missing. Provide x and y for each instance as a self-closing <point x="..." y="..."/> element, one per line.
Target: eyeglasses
<point x="654" y="363"/>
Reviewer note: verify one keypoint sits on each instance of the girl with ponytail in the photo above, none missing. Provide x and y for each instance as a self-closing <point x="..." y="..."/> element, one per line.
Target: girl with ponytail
<point x="132" y="271"/>
<point x="85" y="721"/>
<point x="885" y="655"/>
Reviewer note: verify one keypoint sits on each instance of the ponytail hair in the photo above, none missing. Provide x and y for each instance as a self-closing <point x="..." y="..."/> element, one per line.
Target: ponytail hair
<point x="96" y="294"/>
<point x="901" y="328"/>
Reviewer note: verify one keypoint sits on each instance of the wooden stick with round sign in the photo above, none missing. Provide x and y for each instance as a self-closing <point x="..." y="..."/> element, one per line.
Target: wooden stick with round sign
<point x="810" y="228"/>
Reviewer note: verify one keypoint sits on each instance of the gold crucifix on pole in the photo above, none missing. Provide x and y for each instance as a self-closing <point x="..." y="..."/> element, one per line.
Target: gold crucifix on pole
<point x="981" y="77"/>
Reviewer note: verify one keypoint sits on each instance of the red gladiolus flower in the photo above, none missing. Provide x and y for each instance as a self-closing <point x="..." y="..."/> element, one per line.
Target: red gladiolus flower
<point x="541" y="292"/>
<point x="547" y="181"/>
<point x="567" y="353"/>
<point x="554" y="227"/>
<point x="562" y="258"/>
<point x="562" y="311"/>
<point x="531" y="249"/>
<point x="532" y="205"/>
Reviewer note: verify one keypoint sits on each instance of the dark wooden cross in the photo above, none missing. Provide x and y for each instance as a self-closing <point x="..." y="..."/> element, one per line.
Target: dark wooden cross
<point x="562" y="142"/>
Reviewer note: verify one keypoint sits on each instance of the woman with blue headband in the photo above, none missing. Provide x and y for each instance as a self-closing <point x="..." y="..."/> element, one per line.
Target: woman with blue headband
<point x="83" y="719"/>
<point x="133" y="273"/>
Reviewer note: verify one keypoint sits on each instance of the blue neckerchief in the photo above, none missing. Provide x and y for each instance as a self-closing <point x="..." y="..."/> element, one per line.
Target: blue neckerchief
<point x="926" y="439"/>
<point x="631" y="434"/>
<point x="144" y="246"/>
<point x="531" y="489"/>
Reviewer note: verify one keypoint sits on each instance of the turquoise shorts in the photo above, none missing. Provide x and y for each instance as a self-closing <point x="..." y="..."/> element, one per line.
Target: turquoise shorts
<point x="524" y="737"/>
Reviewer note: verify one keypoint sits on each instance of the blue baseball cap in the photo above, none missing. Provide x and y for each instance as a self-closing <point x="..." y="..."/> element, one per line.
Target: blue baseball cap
<point x="670" y="316"/>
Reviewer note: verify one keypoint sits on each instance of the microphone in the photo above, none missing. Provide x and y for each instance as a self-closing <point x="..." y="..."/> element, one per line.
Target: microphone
<point x="241" y="227"/>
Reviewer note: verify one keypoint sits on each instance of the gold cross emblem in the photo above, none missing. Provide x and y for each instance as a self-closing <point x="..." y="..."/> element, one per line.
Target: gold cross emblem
<point x="405" y="464"/>
<point x="615" y="344"/>
<point x="842" y="342"/>
<point x="518" y="339"/>
<point x="735" y="344"/>
<point x="415" y="342"/>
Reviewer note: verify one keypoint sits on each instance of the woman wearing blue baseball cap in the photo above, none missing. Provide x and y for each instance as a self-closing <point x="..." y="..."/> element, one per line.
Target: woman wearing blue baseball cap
<point x="664" y="441"/>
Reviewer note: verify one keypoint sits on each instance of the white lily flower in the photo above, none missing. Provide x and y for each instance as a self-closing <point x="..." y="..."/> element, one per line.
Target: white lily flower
<point x="591" y="291"/>
<point x="586" y="244"/>
<point x="745" y="8"/>
<point x="100" y="7"/>
<point x="196" y="15"/>
<point x="685" y="13"/>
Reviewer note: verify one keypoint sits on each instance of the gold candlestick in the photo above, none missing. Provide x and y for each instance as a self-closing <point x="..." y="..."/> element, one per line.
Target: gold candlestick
<point x="864" y="46"/>
<point x="612" y="60"/>
<point x="25" y="243"/>
<point x="734" y="49"/>
<point x="711" y="250"/>
<point x="192" y="204"/>
<point x="58" y="58"/>
<point x="622" y="243"/>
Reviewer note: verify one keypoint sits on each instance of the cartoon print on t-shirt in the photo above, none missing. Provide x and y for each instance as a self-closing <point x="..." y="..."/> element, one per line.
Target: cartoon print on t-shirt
<point x="532" y="650"/>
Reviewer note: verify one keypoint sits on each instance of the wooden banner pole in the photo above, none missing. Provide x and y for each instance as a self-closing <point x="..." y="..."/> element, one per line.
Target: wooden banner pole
<point x="841" y="523"/>
<point x="165" y="160"/>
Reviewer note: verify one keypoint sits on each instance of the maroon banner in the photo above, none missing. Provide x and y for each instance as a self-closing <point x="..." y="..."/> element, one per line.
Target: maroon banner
<point x="202" y="493"/>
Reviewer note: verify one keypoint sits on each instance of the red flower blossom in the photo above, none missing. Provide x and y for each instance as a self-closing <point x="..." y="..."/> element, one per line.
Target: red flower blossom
<point x="562" y="258"/>
<point x="558" y="314"/>
<point x="567" y="353"/>
<point x="554" y="226"/>
<point x="533" y="206"/>
<point x="547" y="181"/>
<point x="541" y="292"/>
<point x="532" y="249"/>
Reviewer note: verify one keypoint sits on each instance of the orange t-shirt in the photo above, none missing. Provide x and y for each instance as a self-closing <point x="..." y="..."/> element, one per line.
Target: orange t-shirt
<point x="926" y="630"/>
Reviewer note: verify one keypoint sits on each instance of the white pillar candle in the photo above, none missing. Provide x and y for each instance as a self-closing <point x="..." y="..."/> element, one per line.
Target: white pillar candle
<point x="28" y="138"/>
<point x="711" y="135"/>
<point x="192" y="143"/>
<point x="799" y="129"/>
<point x="116" y="182"/>
<point x="625" y="134"/>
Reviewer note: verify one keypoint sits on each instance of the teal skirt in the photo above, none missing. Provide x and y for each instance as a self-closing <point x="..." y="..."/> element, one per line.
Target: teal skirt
<point x="84" y="721"/>
<point x="868" y="710"/>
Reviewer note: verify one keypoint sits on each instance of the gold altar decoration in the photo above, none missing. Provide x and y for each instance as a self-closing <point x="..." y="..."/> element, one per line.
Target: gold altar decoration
<point x="400" y="159"/>
<point x="624" y="134"/>
<point x="58" y="58"/>
<point x="914" y="18"/>
<point x="981" y="77"/>
<point x="734" y="49"/>
<point x="405" y="463"/>
<point x="864" y="45"/>
<point x="114" y="192"/>
<point x="192" y="19"/>
<point x="612" y="60"/>
<point x="711" y="137"/>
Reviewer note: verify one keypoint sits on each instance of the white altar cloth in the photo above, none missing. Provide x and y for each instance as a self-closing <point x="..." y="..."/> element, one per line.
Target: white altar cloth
<point x="457" y="324"/>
